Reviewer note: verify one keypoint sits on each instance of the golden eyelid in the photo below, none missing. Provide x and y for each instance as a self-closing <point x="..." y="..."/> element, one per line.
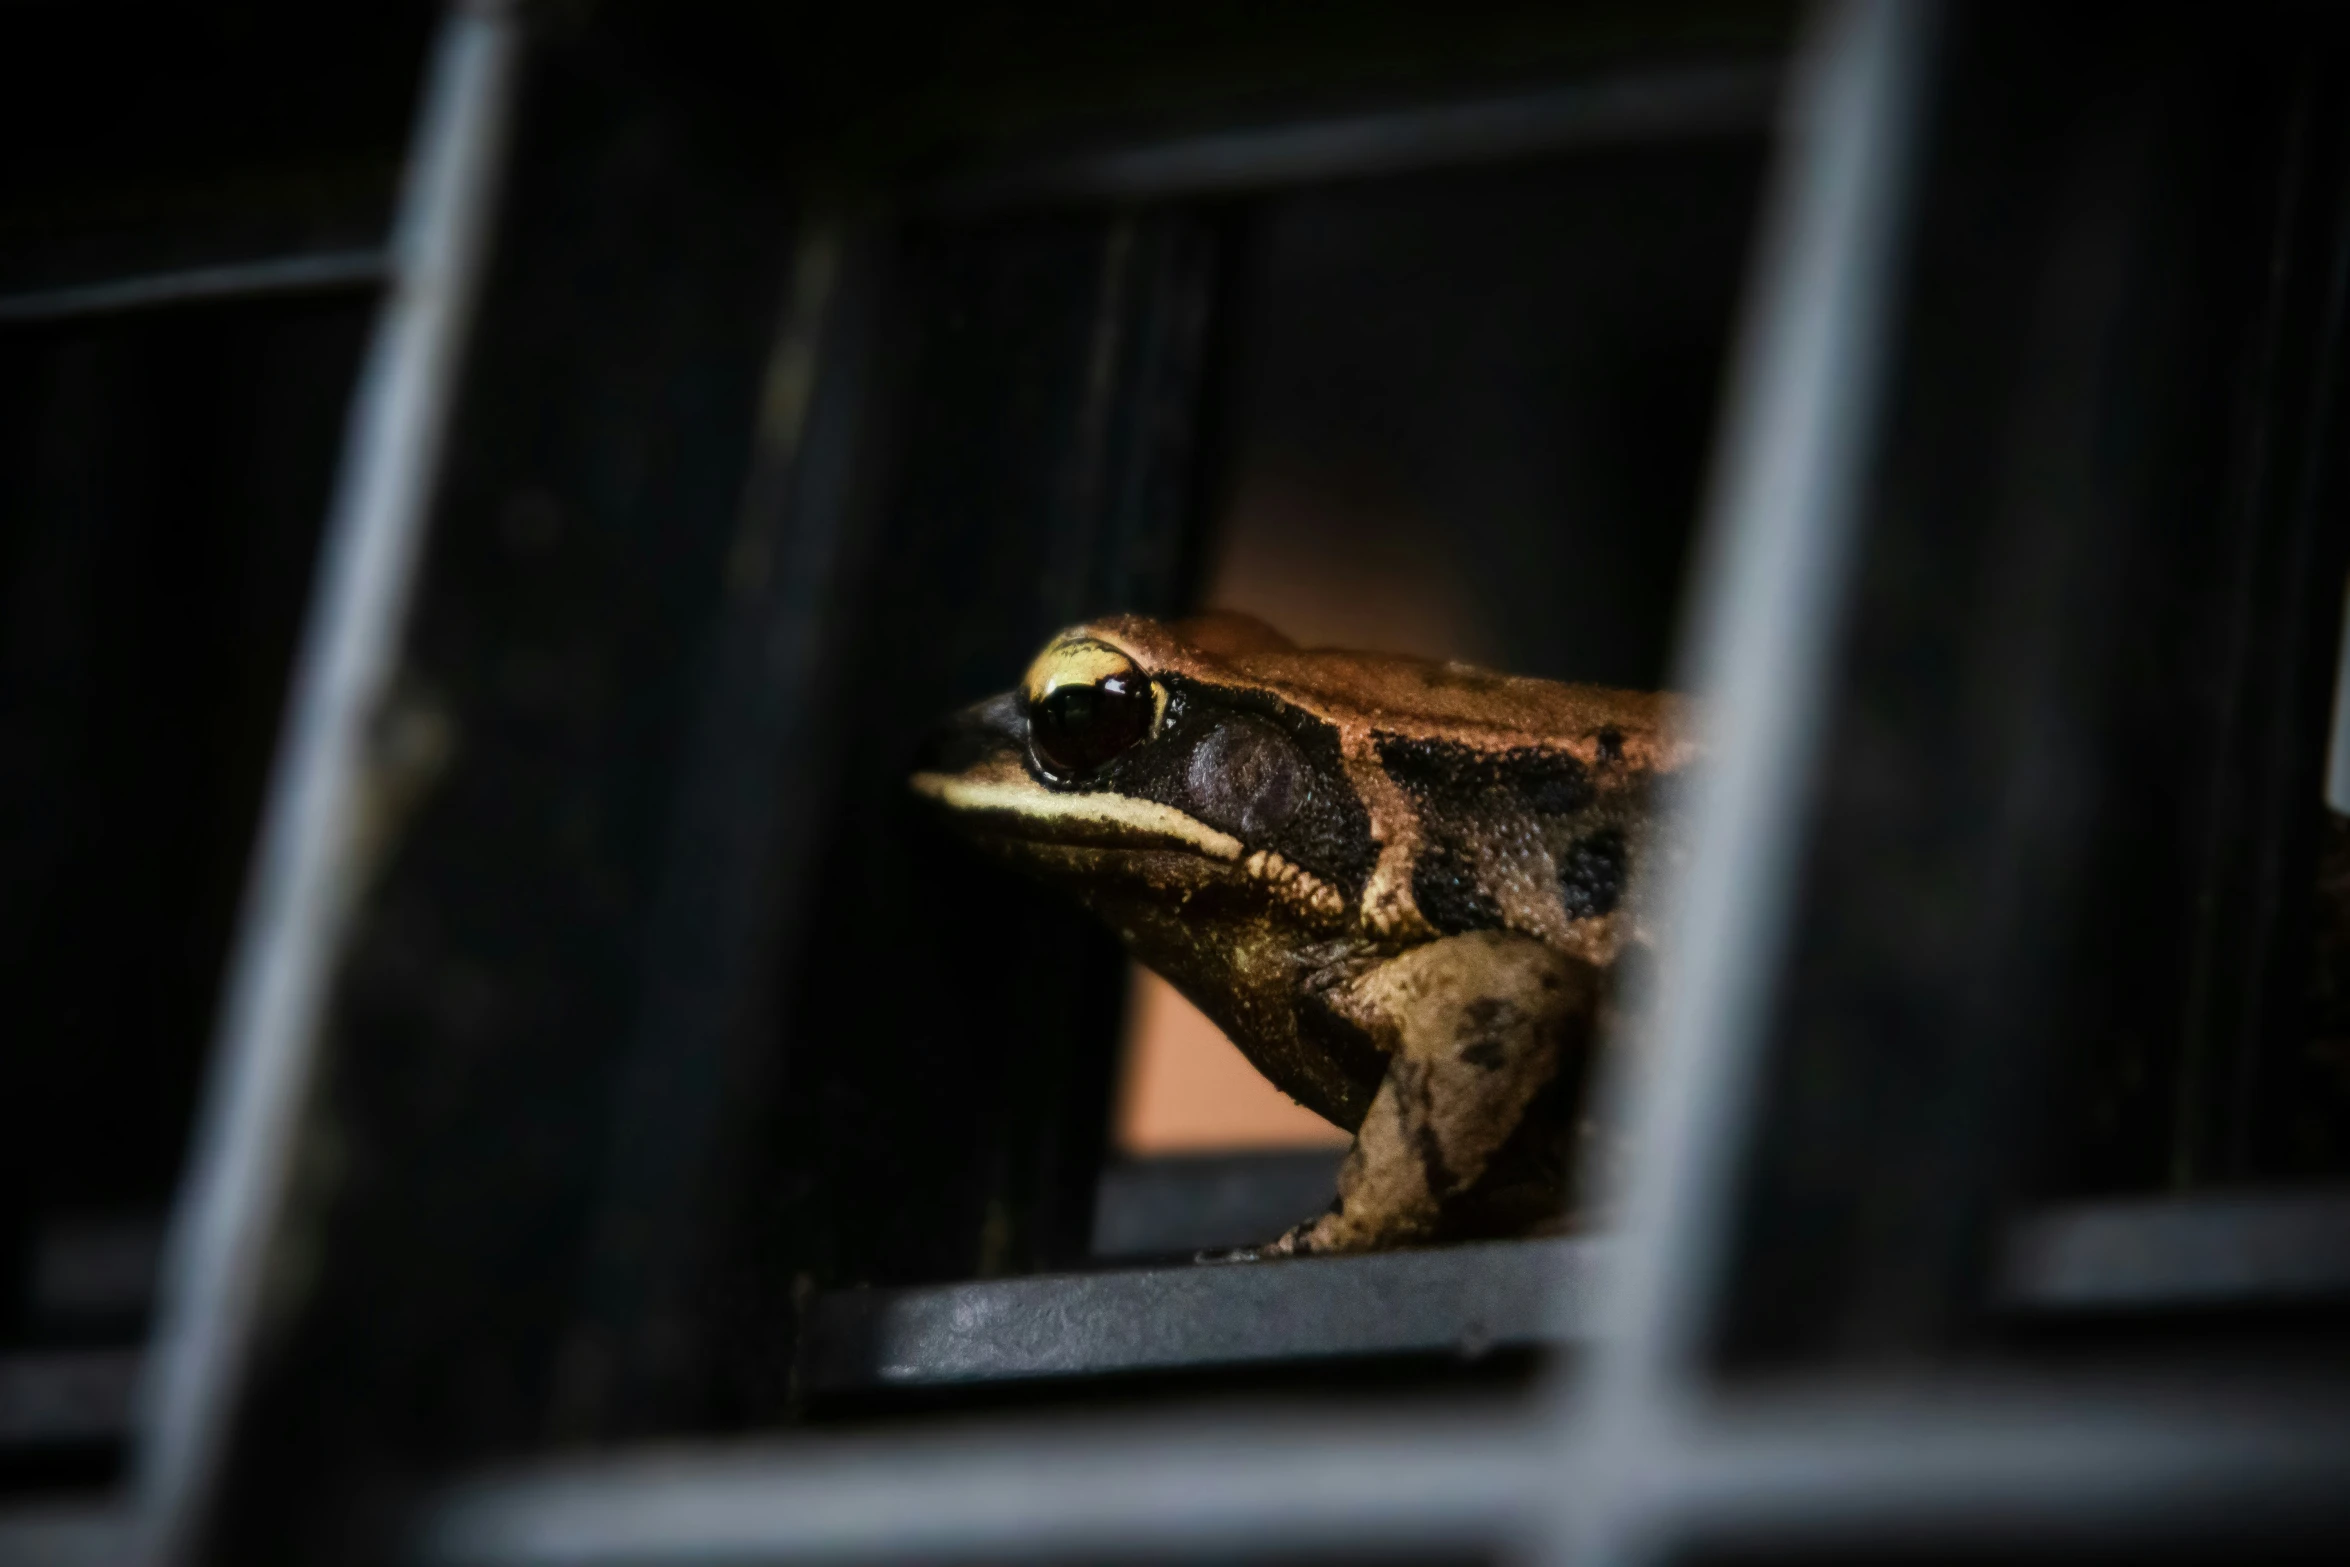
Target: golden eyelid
<point x="1083" y="663"/>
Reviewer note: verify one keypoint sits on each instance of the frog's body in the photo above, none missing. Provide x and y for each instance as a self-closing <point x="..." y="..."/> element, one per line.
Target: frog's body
<point x="1399" y="886"/>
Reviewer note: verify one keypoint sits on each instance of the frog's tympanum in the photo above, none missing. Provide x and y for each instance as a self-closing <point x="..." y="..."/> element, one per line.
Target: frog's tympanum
<point x="1401" y="887"/>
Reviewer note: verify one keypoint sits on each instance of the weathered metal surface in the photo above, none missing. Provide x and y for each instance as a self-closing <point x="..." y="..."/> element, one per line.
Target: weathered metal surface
<point x="1463" y="1301"/>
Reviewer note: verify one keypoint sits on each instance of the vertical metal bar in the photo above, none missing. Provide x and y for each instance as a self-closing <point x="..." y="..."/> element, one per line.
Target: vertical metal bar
<point x="751" y="796"/>
<point x="1781" y="523"/>
<point x="308" y="866"/>
<point x="1780" y="534"/>
<point x="2338" y="744"/>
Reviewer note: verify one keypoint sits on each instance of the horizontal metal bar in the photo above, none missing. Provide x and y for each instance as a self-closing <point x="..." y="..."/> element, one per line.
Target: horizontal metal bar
<point x="66" y="1395"/>
<point x="79" y="1535"/>
<point x="2234" y="1250"/>
<point x="2118" y="1466"/>
<point x="1178" y="1204"/>
<point x="1729" y="99"/>
<point x="1026" y="1489"/>
<point x="2239" y="1250"/>
<point x="95" y="1267"/>
<point x="242" y="280"/>
<point x="1462" y="1301"/>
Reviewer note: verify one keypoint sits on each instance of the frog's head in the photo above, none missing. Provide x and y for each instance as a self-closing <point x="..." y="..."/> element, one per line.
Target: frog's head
<point x="1139" y="765"/>
<point x="1204" y="781"/>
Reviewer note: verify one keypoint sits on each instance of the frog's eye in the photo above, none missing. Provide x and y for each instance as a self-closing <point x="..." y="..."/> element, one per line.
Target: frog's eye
<point x="1087" y="703"/>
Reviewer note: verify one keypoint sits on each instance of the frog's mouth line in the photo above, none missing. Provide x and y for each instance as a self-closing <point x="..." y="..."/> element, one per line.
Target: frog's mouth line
<point x="1109" y="820"/>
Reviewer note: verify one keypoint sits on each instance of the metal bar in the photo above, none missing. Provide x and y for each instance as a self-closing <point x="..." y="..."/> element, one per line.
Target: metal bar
<point x="2231" y="1252"/>
<point x="2118" y="1469"/>
<point x="711" y="934"/>
<point x="2238" y="1250"/>
<point x="281" y="276"/>
<point x="1462" y="1301"/>
<point x="1781" y="521"/>
<point x="308" y="866"/>
<point x="1782" y="517"/>
<point x="97" y="1267"/>
<point x="1027" y="1491"/>
<point x="2148" y="1257"/>
<point x="1171" y="1206"/>
<point x="1717" y="100"/>
<point x="2337" y="789"/>
<point x="66" y="1396"/>
<point x="68" y="1535"/>
<point x="2117" y="1465"/>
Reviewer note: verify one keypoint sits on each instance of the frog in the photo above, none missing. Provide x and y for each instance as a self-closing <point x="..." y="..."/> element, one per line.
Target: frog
<point x="1413" y="892"/>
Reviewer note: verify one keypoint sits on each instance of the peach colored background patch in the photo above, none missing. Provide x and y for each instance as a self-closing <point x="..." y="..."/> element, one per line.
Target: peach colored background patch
<point x="1188" y="1090"/>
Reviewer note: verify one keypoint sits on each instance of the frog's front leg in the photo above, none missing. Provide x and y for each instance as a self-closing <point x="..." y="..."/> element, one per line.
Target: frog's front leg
<point x="1477" y="1027"/>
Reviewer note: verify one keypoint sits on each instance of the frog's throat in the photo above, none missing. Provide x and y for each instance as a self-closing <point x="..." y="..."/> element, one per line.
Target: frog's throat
<point x="1123" y="815"/>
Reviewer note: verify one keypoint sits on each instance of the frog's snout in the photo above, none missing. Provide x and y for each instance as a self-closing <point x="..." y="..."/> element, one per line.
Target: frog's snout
<point x="979" y="733"/>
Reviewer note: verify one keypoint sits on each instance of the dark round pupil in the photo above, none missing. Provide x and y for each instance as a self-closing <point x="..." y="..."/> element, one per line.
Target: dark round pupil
<point x="1077" y="728"/>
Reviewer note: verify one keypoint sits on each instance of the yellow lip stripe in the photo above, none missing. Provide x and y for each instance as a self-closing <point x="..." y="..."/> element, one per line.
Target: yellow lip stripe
<point x="1106" y="810"/>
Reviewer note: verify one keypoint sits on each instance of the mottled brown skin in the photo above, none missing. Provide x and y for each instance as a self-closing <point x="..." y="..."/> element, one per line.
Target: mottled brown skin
<point x="1400" y="886"/>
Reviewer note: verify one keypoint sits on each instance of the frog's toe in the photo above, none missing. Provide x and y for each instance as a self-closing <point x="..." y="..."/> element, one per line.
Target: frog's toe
<point x="1300" y="1240"/>
<point x="1297" y="1242"/>
<point x="1214" y="1254"/>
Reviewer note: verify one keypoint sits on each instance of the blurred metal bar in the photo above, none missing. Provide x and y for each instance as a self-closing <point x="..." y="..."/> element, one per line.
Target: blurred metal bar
<point x="1781" y="521"/>
<point x="747" y="805"/>
<point x="95" y="1267"/>
<point x="66" y="1535"/>
<point x="2139" y="1257"/>
<point x="2237" y="1250"/>
<point x="326" y="272"/>
<point x="2338" y="742"/>
<point x="327" y="781"/>
<point x="1173" y="1205"/>
<point x="1720" y="100"/>
<point x="2029" y="1468"/>
<point x="2118" y="1465"/>
<point x="1774" y="559"/>
<point x="1260" y="1480"/>
<point x="66" y="1396"/>
<point x="1463" y="1300"/>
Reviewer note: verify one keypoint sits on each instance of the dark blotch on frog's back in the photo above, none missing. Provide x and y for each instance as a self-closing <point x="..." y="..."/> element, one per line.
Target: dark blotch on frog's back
<point x="1591" y="872"/>
<point x="1463" y="793"/>
<point x="1548" y="783"/>
<point x="1447" y="892"/>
